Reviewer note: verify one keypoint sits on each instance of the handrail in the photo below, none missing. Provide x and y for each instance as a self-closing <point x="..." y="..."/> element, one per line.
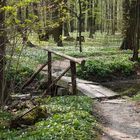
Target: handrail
<point x="72" y="66"/>
<point x="66" y="56"/>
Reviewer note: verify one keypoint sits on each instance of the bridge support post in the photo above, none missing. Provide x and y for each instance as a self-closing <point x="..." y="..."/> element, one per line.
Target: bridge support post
<point x="49" y="73"/>
<point x="73" y="77"/>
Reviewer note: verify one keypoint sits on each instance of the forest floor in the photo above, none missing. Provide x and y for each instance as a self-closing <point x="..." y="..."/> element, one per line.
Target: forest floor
<point x="119" y="118"/>
<point x="105" y="63"/>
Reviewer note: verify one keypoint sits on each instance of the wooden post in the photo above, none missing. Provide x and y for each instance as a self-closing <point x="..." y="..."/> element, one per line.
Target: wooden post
<point x="56" y="80"/>
<point x="73" y="77"/>
<point x="50" y="72"/>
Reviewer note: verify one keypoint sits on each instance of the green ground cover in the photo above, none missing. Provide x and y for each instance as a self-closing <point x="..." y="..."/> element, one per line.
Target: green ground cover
<point x="70" y="119"/>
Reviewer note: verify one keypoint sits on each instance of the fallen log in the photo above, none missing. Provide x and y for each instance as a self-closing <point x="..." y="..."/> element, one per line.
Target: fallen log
<point x="29" y="117"/>
<point x="21" y="97"/>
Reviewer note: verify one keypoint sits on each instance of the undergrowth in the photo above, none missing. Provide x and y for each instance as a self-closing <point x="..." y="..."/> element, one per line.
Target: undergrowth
<point x="106" y="68"/>
<point x="136" y="97"/>
<point x="21" y="66"/>
<point x="70" y="119"/>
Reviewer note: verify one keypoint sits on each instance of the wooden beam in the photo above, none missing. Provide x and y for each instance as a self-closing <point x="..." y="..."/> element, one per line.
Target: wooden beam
<point x="56" y="80"/>
<point x="82" y="62"/>
<point x="50" y="71"/>
<point x="27" y="83"/>
<point x="73" y="77"/>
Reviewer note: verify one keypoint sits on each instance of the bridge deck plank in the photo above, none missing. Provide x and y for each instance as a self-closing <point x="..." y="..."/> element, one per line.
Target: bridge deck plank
<point x="91" y="89"/>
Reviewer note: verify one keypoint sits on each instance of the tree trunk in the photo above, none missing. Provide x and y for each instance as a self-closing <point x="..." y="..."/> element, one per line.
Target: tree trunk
<point x="95" y="16"/>
<point x="114" y="25"/>
<point x="131" y="27"/>
<point x="127" y="29"/>
<point x="90" y="18"/>
<point x="66" y="29"/>
<point x="20" y="28"/>
<point x="3" y="95"/>
<point x="57" y="31"/>
<point x="57" y="34"/>
<point x="135" y="11"/>
<point x="80" y="25"/>
<point x="72" y="27"/>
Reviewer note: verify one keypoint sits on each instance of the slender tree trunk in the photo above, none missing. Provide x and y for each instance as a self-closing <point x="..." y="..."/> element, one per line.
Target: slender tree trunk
<point x="80" y="25"/>
<point x="83" y="15"/>
<point x="21" y="30"/>
<point x="114" y="29"/>
<point x="25" y="36"/>
<point x="101" y="18"/>
<point x="90" y="18"/>
<point x="3" y="95"/>
<point x="95" y="16"/>
<point x="72" y="20"/>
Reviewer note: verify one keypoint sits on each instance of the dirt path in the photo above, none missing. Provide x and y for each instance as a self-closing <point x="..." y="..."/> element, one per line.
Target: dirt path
<point x="120" y="119"/>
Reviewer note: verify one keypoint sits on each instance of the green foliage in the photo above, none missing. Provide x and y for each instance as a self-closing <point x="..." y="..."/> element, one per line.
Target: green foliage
<point x="22" y="69"/>
<point x="71" y="125"/>
<point x="97" y="68"/>
<point x="103" y="68"/>
<point x="100" y="52"/>
<point x="4" y="117"/>
<point x="70" y="119"/>
<point x="66" y="104"/>
<point x="5" y="132"/>
<point x="32" y="57"/>
<point x="19" y="75"/>
<point x="137" y="97"/>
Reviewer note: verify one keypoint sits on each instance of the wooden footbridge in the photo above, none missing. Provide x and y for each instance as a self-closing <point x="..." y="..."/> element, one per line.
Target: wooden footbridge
<point x="73" y="84"/>
<point x="91" y="89"/>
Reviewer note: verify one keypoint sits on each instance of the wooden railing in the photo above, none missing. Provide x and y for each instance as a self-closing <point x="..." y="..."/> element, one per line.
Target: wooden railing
<point x="72" y="67"/>
<point x="73" y="61"/>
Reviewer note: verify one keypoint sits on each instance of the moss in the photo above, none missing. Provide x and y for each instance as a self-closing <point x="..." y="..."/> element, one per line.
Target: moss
<point x="30" y="118"/>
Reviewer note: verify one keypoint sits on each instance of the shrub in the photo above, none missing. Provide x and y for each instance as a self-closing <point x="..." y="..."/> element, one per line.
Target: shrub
<point x="17" y="76"/>
<point x="102" y="68"/>
<point x="137" y="97"/>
